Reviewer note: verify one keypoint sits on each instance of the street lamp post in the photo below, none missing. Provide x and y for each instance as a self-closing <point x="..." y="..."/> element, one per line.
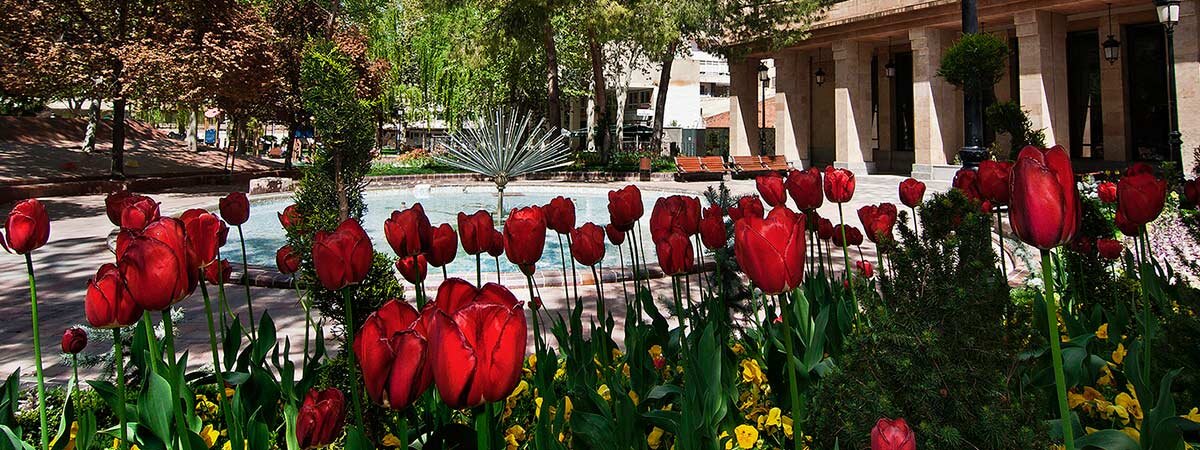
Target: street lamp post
<point x="763" y="77"/>
<point x="972" y="152"/>
<point x="1168" y="16"/>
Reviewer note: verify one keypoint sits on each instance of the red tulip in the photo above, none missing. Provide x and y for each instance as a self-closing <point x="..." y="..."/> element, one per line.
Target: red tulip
<point x="28" y="227"/>
<point x="865" y="268"/>
<point x="825" y="229"/>
<point x="839" y="185"/>
<point x="1044" y="209"/>
<point x="108" y="303"/>
<point x="409" y="231"/>
<point x="342" y="257"/>
<point x="218" y="272"/>
<point x="155" y="265"/>
<point x="853" y="237"/>
<point x="205" y="235"/>
<point x="1083" y="245"/>
<point x="747" y="206"/>
<point x="525" y="236"/>
<point x="587" y="244"/>
<point x="878" y="221"/>
<point x="967" y="181"/>
<point x="712" y="228"/>
<point x="912" y="192"/>
<point x="290" y="217"/>
<point x="993" y="181"/>
<point x="321" y="418"/>
<point x="560" y="215"/>
<point x="1141" y="197"/>
<point x="139" y="211"/>
<point x="615" y="235"/>
<point x="625" y="207"/>
<point x="114" y="205"/>
<point x="1127" y="227"/>
<point x="771" y="251"/>
<point x="891" y="434"/>
<point x="444" y="246"/>
<point x="805" y="188"/>
<point x="391" y="349"/>
<point x="477" y="343"/>
<point x="770" y="186"/>
<point x="1139" y="168"/>
<point x="413" y="268"/>
<point x="287" y="260"/>
<point x="675" y="254"/>
<point x="496" y="244"/>
<point x="1110" y="249"/>
<point x="1191" y="191"/>
<point x="475" y="231"/>
<point x="235" y="208"/>
<point x="1107" y="191"/>
<point x="674" y="214"/>
<point x="74" y="340"/>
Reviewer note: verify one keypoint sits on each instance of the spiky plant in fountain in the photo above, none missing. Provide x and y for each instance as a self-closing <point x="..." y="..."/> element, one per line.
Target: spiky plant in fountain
<point x="504" y="145"/>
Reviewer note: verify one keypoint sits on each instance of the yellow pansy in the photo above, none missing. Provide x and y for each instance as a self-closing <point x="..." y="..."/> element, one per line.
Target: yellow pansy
<point x="604" y="392"/>
<point x="1102" y="332"/>
<point x="655" y="351"/>
<point x="1132" y="433"/>
<point x="1193" y="415"/>
<point x="634" y="397"/>
<point x="522" y="388"/>
<point x="616" y="354"/>
<point x="1106" y="376"/>
<point x="1131" y="404"/>
<point x="567" y="407"/>
<point x="738" y="349"/>
<point x="654" y="439"/>
<point x="1118" y="355"/>
<point x="752" y="373"/>
<point x="746" y="436"/>
<point x="209" y="435"/>
<point x="390" y="440"/>
<point x="513" y="436"/>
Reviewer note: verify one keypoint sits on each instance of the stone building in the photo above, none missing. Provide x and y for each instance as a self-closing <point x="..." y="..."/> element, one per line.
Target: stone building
<point x="858" y="117"/>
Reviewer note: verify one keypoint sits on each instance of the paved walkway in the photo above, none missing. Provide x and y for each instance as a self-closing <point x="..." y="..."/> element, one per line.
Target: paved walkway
<point x="77" y="248"/>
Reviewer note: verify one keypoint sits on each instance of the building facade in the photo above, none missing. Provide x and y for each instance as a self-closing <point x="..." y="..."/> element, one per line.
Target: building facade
<point x="837" y="103"/>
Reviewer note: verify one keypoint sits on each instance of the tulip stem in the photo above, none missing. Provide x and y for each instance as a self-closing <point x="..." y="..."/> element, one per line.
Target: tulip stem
<point x="601" y="313"/>
<point x="37" y="352"/>
<point x="74" y="374"/>
<point x="119" y="360"/>
<point x="916" y="222"/>
<point x="212" y="343"/>
<point x="483" y="427"/>
<point x="479" y="270"/>
<point x="621" y="256"/>
<point x="246" y="281"/>
<point x="794" y="385"/>
<point x="497" y="269"/>
<point x="223" y="308"/>
<point x="846" y="261"/>
<point x="574" y="275"/>
<point x="1060" y="380"/>
<point x="1147" y="338"/>
<point x="562" y="258"/>
<point x="348" y="347"/>
<point x="1000" y="232"/>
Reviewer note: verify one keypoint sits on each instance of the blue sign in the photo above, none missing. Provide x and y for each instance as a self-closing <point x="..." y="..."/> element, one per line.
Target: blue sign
<point x="210" y="136"/>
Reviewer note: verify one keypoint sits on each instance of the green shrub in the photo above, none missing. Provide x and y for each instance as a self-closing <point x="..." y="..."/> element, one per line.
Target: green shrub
<point x="935" y="350"/>
<point x="1008" y="118"/>
<point x="975" y="63"/>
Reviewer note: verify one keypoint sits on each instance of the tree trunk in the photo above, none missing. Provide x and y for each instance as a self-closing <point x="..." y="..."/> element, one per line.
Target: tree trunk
<point x="660" y="100"/>
<point x="117" y="170"/>
<point x="192" y="127"/>
<point x="553" y="107"/>
<point x="291" y="144"/>
<point x="89" y="135"/>
<point x="600" y="94"/>
<point x="379" y="130"/>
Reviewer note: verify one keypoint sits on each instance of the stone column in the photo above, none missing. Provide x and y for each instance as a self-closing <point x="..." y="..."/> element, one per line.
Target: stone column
<point x="1042" y="38"/>
<point x="1187" y="81"/>
<point x="791" y="106"/>
<point x="1112" y="98"/>
<point x="743" y="107"/>
<point x="937" y="110"/>
<point x="884" y="122"/>
<point x="852" y="106"/>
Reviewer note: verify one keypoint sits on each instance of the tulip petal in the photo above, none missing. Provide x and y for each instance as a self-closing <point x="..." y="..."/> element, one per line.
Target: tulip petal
<point x="408" y="378"/>
<point x="453" y="361"/>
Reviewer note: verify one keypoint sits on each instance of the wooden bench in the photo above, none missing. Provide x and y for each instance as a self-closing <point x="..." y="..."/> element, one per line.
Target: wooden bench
<point x="777" y="163"/>
<point x="714" y="164"/>
<point x="748" y="166"/>
<point x="692" y="168"/>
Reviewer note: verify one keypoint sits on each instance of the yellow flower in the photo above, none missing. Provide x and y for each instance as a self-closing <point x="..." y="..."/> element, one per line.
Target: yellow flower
<point x="738" y="349"/>
<point x="655" y="351"/>
<point x="655" y="438"/>
<point x="746" y="435"/>
<point x="1193" y="415"/>
<point x="390" y="440"/>
<point x="567" y="407"/>
<point x="1130" y="403"/>
<point x="1106" y="376"/>
<point x="229" y="392"/>
<point x="616" y="354"/>
<point x="625" y="370"/>
<point x="752" y="373"/>
<point x="1118" y="355"/>
<point x="1102" y="332"/>
<point x="71" y="440"/>
<point x="633" y="396"/>
<point x="604" y="392"/>
<point x="522" y="388"/>
<point x="533" y="362"/>
<point x="209" y="435"/>
<point x="1132" y="433"/>
<point x="513" y="436"/>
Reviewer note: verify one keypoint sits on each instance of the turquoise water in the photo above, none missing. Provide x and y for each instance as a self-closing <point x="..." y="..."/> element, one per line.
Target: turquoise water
<point x="264" y="234"/>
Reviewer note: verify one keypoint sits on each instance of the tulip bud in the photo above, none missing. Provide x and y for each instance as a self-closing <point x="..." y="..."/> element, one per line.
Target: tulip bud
<point x="891" y="434"/>
<point x="525" y="236"/>
<point x="1110" y="249"/>
<point x="1107" y="191"/>
<point x="27" y="227"/>
<point x="343" y="257"/>
<point x="587" y="244"/>
<point x="413" y="268"/>
<point x="205" y="236"/>
<point x="290" y="217"/>
<point x="1191" y="191"/>
<point x="771" y="251"/>
<point x="477" y="343"/>
<point x="625" y="207"/>
<point x="475" y="231"/>
<point x="747" y="206"/>
<point x="967" y="181"/>
<point x="560" y="215"/>
<point x="409" y="231"/>
<point x="114" y="205"/>
<point x="615" y="235"/>
<point x="993" y="181"/>
<point x="878" y="221"/>
<point x="912" y="192"/>
<point x="1141" y="197"/>
<point x="712" y="229"/>
<point x="1044" y="204"/>
<point x="321" y="418"/>
<point x="675" y="254"/>
<point x="156" y="267"/>
<point x="218" y="272"/>
<point x="495" y="246"/>
<point x="139" y="212"/>
<point x="235" y="208"/>
<point x="391" y="348"/>
<point x="287" y="260"/>
<point x="74" y="340"/>
<point x="865" y="268"/>
<point x="674" y="214"/>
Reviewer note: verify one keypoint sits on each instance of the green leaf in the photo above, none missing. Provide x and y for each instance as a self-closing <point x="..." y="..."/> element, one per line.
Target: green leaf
<point x="10" y="441"/>
<point x="155" y="407"/>
<point x="356" y="440"/>
<point x="1107" y="440"/>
